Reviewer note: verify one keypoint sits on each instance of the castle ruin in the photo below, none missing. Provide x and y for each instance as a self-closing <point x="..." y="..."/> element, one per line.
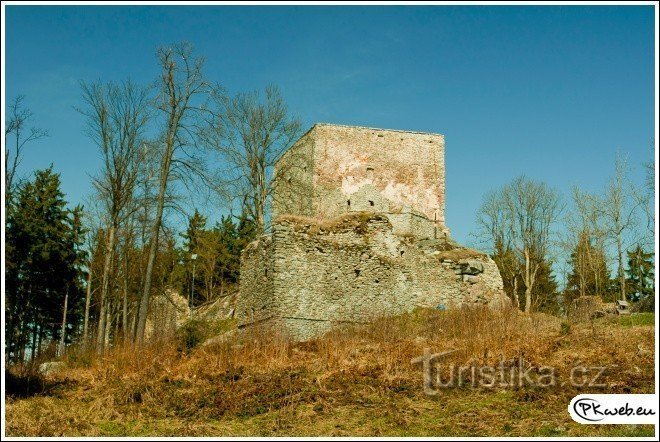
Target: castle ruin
<point x="358" y="232"/>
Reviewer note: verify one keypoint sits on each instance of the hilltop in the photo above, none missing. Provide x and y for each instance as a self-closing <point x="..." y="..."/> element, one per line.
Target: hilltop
<point x="355" y="381"/>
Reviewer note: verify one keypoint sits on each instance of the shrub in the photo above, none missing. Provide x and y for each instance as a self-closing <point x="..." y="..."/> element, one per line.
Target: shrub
<point x="190" y="335"/>
<point x="196" y="331"/>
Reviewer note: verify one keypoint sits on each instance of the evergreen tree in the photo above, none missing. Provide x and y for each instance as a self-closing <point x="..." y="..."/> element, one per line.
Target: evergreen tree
<point x="45" y="239"/>
<point x="640" y="275"/>
<point x="228" y="253"/>
<point x="218" y="250"/>
<point x="511" y="269"/>
<point x="192" y="236"/>
<point x="545" y="290"/>
<point x="589" y="275"/>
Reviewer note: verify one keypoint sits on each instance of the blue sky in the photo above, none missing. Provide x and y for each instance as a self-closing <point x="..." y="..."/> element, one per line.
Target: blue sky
<point x="552" y="92"/>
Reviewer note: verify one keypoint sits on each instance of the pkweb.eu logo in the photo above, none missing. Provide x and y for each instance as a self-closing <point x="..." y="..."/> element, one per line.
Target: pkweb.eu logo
<point x="614" y="409"/>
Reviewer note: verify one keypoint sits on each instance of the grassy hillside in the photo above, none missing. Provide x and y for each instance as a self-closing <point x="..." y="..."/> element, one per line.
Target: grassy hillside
<point x="355" y="381"/>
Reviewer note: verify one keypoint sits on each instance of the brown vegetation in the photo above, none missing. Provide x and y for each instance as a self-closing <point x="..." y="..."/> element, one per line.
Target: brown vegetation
<point x="349" y="221"/>
<point x="353" y="381"/>
<point x="459" y="253"/>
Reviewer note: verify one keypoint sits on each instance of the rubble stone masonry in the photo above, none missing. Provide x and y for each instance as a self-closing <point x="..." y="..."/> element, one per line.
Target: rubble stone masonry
<point x="359" y="232"/>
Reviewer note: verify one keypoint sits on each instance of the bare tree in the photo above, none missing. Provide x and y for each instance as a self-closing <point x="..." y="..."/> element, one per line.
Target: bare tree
<point x="518" y="218"/>
<point x="16" y="126"/>
<point x="495" y="225"/>
<point x="117" y="117"/>
<point x="92" y="216"/>
<point x="534" y="208"/>
<point x="618" y="211"/>
<point x="181" y="100"/>
<point x="585" y="236"/>
<point x="250" y="133"/>
<point x="646" y="199"/>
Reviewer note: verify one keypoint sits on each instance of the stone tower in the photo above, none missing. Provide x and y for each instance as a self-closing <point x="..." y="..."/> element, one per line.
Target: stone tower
<point x="358" y="232"/>
<point x="332" y="170"/>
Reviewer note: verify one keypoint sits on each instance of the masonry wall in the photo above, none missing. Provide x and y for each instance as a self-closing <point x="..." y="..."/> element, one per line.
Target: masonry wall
<point x="293" y="183"/>
<point x="359" y="232"/>
<point x="167" y="312"/>
<point x="411" y="224"/>
<point x="353" y="269"/>
<point x="356" y="169"/>
<point x="257" y="301"/>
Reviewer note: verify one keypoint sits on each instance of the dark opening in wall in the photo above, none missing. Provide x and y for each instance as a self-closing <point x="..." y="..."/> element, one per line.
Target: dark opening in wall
<point x="376" y="281"/>
<point x="401" y="252"/>
<point x="348" y="203"/>
<point x="265" y="272"/>
<point x="357" y="272"/>
<point x="371" y="203"/>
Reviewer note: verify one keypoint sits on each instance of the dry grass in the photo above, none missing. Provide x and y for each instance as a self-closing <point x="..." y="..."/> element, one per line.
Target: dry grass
<point x="460" y="253"/>
<point x="356" y="221"/>
<point x="354" y="381"/>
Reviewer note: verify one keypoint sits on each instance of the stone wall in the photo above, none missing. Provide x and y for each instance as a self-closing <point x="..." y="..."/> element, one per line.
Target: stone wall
<point x="293" y="184"/>
<point x="354" y="268"/>
<point x="257" y="301"/>
<point x="359" y="232"/>
<point x="413" y="224"/>
<point x="336" y="169"/>
<point x="167" y="312"/>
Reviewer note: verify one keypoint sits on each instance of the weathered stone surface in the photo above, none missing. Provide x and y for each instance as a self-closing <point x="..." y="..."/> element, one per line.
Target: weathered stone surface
<point x="359" y="232"/>
<point x="167" y="312"/>
<point x="322" y="275"/>
<point x="335" y="169"/>
<point x="46" y="368"/>
<point x="471" y="266"/>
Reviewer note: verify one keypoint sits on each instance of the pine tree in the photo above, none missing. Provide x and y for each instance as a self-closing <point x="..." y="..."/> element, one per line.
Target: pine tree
<point x="192" y="236"/>
<point x="45" y="240"/>
<point x="589" y="275"/>
<point x="511" y="269"/>
<point x="545" y="290"/>
<point x="640" y="274"/>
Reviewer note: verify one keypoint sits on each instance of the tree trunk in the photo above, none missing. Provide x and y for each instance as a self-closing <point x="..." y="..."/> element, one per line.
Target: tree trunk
<point x="109" y="251"/>
<point x="63" y="330"/>
<point x="622" y="276"/>
<point x="153" y="248"/>
<point x="133" y="321"/>
<point x="88" y="297"/>
<point x="34" y="340"/>
<point x="124" y="316"/>
<point x="596" y="266"/>
<point x="515" y="292"/>
<point x="116" y="320"/>
<point x="40" y="336"/>
<point x="106" y="329"/>
<point x="528" y="283"/>
<point x="23" y="342"/>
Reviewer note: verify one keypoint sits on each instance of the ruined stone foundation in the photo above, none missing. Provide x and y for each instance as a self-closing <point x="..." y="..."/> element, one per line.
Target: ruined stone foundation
<point x="308" y="276"/>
